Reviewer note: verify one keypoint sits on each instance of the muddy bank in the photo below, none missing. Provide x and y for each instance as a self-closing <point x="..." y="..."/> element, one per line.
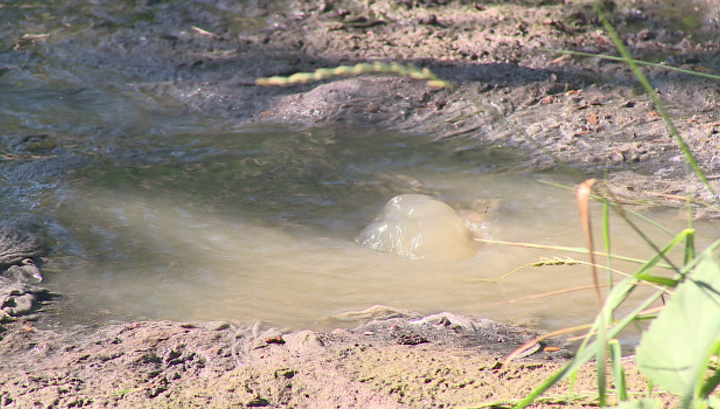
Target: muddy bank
<point x="442" y="360"/>
<point x="202" y="58"/>
<point x="513" y="90"/>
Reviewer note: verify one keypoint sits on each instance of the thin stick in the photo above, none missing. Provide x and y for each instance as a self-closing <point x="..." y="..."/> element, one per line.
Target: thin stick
<point x="579" y="250"/>
<point x="519" y="351"/>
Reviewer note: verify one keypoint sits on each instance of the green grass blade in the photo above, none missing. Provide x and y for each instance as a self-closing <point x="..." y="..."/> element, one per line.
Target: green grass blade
<point x="656" y="249"/>
<point x="612" y="204"/>
<point x="694" y="262"/>
<point x="662" y="254"/>
<point x="579" y="250"/>
<point x="658" y="104"/>
<point x="668" y="282"/>
<point x="689" y="249"/>
<point x="587" y="353"/>
<point x="621" y="295"/>
<point x="618" y="371"/>
<point x="712" y="381"/>
<point x="640" y="62"/>
<point x="606" y="239"/>
<point x="616" y="297"/>
<point x="600" y="360"/>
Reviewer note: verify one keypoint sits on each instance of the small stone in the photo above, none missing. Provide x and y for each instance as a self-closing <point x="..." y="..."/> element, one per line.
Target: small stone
<point x="429" y="20"/>
<point x="372" y="108"/>
<point x="257" y="402"/>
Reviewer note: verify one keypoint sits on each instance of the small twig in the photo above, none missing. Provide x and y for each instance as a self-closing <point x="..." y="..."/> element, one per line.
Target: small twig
<point x="520" y="350"/>
<point x="457" y="133"/>
<point x="202" y="31"/>
<point x="652" y="310"/>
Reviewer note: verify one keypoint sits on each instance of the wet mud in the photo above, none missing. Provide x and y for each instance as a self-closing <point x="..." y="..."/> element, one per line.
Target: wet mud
<point x="512" y="88"/>
<point x="138" y="363"/>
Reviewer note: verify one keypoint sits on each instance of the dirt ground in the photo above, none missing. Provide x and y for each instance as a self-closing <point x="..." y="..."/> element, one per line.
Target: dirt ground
<point x="439" y="361"/>
<point x="513" y="88"/>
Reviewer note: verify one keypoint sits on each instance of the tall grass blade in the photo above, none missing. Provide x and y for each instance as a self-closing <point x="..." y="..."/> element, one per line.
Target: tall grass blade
<point x="712" y="381"/>
<point x="643" y="273"/>
<point x="689" y="249"/>
<point x="587" y="353"/>
<point x="616" y="297"/>
<point x="618" y="371"/>
<point x="606" y="236"/>
<point x="640" y="62"/>
<point x="658" y="104"/>
<point x="579" y="250"/>
<point x="614" y="204"/>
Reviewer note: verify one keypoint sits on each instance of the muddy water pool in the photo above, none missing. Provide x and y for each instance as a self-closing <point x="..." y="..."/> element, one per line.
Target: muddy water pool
<point x="260" y="225"/>
<point x="162" y="215"/>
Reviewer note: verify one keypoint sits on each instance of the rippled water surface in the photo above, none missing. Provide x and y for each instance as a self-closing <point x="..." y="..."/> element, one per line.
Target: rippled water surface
<point x="260" y="225"/>
<point x="160" y="214"/>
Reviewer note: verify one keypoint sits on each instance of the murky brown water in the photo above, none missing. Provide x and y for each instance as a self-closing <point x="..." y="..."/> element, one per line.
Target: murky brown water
<point x="264" y="228"/>
<point x="191" y="218"/>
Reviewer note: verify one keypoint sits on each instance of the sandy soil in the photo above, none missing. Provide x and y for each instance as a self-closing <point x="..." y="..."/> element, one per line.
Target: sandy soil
<point x="438" y="361"/>
<point x="512" y="90"/>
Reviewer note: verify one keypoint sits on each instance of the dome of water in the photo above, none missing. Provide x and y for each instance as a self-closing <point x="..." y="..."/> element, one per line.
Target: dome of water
<point x="418" y="226"/>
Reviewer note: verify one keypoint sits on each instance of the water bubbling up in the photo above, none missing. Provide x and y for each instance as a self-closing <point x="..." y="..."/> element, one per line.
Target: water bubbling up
<point x="418" y="226"/>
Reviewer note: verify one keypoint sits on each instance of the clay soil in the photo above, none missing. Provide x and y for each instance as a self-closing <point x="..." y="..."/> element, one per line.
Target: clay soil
<point x="512" y="88"/>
